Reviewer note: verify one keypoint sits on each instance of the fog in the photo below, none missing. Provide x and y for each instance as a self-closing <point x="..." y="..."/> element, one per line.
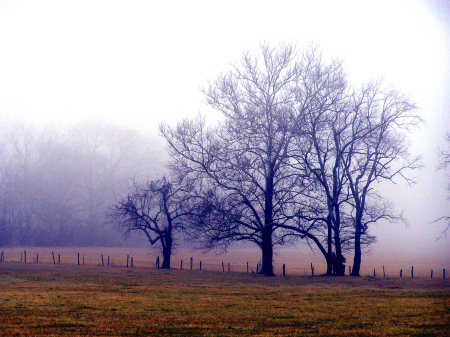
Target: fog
<point x="84" y="86"/>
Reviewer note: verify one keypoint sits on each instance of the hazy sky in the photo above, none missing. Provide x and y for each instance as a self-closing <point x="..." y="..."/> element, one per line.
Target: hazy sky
<point x="138" y="63"/>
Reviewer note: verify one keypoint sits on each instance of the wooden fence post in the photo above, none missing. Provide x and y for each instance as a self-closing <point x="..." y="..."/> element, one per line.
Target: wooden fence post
<point x="443" y="274"/>
<point x="228" y="266"/>
<point x="78" y="258"/>
<point x="128" y="257"/>
<point x="412" y="272"/>
<point x="192" y="261"/>
<point x="157" y="263"/>
<point x="108" y="260"/>
<point x="25" y="256"/>
<point x="401" y="272"/>
<point x="1" y="257"/>
<point x="132" y="262"/>
<point x="223" y="267"/>
<point x="384" y="273"/>
<point x="374" y="274"/>
<point x="103" y="262"/>
<point x="37" y="258"/>
<point x="257" y="268"/>
<point x="431" y="273"/>
<point x="312" y="269"/>
<point x="53" y="255"/>
<point x="200" y="265"/>
<point x="284" y="269"/>
<point x="181" y="265"/>
<point x="247" y="267"/>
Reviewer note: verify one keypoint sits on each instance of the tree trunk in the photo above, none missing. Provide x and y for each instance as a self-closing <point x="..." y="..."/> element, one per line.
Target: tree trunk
<point x="167" y="252"/>
<point x="330" y="249"/>
<point x="357" y="257"/>
<point x="267" y="251"/>
<point x="339" y="267"/>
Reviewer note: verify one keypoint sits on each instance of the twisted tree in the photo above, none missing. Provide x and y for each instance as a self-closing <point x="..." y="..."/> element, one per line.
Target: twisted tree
<point x="157" y="209"/>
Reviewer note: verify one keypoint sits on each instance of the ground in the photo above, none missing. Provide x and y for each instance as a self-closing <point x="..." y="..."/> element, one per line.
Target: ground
<point x="40" y="299"/>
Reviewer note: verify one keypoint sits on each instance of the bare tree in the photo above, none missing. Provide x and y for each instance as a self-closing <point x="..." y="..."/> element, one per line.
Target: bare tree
<point x="245" y="157"/>
<point x="320" y="149"/>
<point x="444" y="163"/>
<point x="378" y="151"/>
<point x="157" y="209"/>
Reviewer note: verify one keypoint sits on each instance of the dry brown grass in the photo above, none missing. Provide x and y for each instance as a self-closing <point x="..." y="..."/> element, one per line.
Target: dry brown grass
<point x="55" y="300"/>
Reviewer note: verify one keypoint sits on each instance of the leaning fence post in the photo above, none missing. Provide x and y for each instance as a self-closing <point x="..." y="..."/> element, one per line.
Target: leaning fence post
<point x="53" y="255"/>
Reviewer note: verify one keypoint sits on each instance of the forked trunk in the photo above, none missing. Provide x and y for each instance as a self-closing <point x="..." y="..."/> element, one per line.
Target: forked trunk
<point x="339" y="267"/>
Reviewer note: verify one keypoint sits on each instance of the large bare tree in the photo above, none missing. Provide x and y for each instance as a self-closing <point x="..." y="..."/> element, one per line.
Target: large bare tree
<point x="378" y="151"/>
<point x="319" y="151"/>
<point x="245" y="157"/>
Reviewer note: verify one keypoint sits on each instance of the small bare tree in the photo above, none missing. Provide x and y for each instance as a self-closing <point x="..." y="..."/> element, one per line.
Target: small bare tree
<point x="444" y="163"/>
<point x="156" y="209"/>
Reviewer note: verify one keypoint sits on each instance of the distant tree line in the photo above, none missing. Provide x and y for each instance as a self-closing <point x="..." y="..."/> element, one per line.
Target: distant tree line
<point x="297" y="156"/>
<point x="57" y="185"/>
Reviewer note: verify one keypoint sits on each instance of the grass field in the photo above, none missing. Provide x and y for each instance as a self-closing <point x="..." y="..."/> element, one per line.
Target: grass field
<point x="55" y="300"/>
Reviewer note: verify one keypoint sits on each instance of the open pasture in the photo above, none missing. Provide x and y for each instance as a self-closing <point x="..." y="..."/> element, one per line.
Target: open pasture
<point x="54" y="300"/>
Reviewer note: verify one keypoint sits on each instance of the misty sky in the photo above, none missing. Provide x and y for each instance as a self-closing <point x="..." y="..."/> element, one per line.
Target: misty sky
<point x="137" y="63"/>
